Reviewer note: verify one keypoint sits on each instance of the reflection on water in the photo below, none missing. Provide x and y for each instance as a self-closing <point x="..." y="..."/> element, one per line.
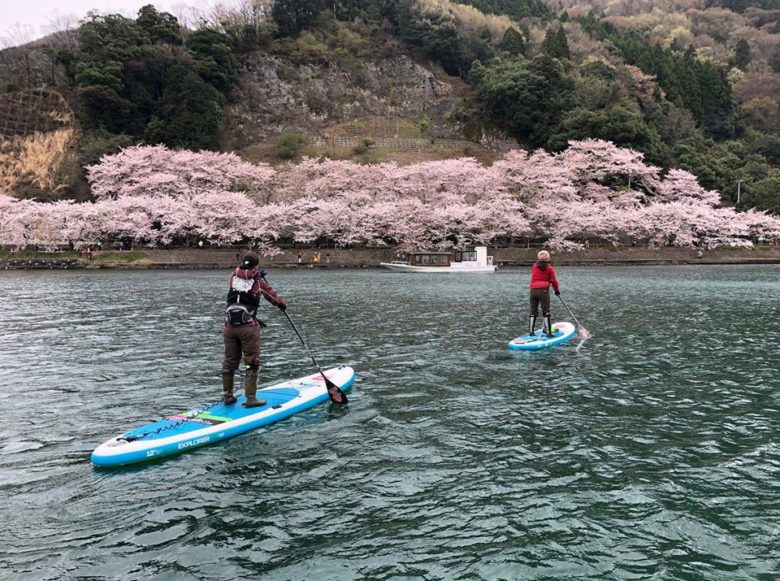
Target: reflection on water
<point x="649" y="453"/>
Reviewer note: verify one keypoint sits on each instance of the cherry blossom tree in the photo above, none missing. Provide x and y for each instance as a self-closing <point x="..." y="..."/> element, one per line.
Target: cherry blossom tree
<point x="159" y="171"/>
<point x="13" y="221"/>
<point x="592" y="191"/>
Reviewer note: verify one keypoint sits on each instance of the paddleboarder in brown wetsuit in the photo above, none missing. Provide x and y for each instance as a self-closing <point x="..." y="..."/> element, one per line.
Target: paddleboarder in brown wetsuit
<point x="242" y="329"/>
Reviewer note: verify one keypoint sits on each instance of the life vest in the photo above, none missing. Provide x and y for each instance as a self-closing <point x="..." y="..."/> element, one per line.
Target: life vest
<point x="242" y="303"/>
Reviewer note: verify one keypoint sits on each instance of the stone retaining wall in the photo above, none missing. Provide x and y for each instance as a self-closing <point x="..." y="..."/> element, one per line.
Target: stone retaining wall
<point x="371" y="257"/>
<point x="39" y="264"/>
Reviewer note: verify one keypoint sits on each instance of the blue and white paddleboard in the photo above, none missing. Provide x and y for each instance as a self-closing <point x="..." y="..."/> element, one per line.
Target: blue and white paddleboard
<point x="216" y="422"/>
<point x="564" y="332"/>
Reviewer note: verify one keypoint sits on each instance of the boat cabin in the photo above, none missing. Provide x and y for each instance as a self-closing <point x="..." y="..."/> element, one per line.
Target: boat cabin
<point x="429" y="259"/>
<point x="475" y="260"/>
<point x="436" y="258"/>
<point x="465" y="255"/>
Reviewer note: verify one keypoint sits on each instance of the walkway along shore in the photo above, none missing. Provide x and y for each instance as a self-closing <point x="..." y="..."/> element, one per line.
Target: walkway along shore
<point x="371" y="257"/>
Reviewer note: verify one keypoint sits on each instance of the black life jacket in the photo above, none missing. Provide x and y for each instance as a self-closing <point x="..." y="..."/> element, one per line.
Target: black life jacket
<point x="241" y="303"/>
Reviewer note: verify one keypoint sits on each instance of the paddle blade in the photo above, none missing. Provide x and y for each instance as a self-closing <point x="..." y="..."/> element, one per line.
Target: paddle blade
<point x="335" y="393"/>
<point x="584" y="334"/>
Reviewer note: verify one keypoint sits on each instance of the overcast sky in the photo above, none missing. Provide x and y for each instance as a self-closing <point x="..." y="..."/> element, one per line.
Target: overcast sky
<point x="34" y="18"/>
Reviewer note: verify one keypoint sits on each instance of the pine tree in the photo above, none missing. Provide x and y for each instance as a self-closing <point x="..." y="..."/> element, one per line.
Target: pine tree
<point x="742" y="54"/>
<point x="555" y="44"/>
<point x="512" y="42"/>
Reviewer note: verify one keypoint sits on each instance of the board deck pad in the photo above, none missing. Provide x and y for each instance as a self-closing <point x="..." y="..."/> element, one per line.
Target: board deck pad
<point x="212" y="414"/>
<point x="217" y="421"/>
<point x="539" y="340"/>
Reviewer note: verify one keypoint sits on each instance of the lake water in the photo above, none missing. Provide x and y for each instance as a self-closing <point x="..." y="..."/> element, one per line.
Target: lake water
<point x="652" y="452"/>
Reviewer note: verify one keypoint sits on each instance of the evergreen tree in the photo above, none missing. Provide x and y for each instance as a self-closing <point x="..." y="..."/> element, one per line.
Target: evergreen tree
<point x="293" y="16"/>
<point x="437" y="34"/>
<point x="742" y="54"/>
<point x="214" y="55"/>
<point x="106" y="44"/>
<point x="764" y="194"/>
<point x="555" y="44"/>
<point x="188" y="114"/>
<point x="719" y="116"/>
<point x="160" y="26"/>
<point x="621" y="124"/>
<point x="517" y="9"/>
<point x="512" y="42"/>
<point x="562" y="43"/>
<point x="527" y="98"/>
<point x="774" y="61"/>
<point x="134" y="78"/>
<point x="699" y="86"/>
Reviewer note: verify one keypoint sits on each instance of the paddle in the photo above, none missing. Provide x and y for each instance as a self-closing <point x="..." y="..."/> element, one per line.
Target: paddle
<point x="583" y="332"/>
<point x="334" y="391"/>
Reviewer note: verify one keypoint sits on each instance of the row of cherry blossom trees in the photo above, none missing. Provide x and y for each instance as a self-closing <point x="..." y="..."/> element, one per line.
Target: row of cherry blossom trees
<point x="593" y="191"/>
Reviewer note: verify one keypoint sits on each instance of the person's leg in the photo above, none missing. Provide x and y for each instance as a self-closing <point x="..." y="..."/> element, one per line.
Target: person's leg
<point x="534" y="311"/>
<point x="230" y="363"/>
<point x="250" y="343"/>
<point x="546" y="316"/>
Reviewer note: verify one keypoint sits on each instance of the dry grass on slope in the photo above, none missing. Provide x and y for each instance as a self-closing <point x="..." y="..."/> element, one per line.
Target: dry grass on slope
<point x="37" y="135"/>
<point x="34" y="160"/>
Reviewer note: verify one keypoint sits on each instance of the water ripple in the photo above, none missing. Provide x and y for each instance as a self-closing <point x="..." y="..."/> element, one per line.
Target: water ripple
<point x="650" y="453"/>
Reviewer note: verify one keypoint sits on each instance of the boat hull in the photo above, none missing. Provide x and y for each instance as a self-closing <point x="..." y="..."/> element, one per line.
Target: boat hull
<point x="439" y="269"/>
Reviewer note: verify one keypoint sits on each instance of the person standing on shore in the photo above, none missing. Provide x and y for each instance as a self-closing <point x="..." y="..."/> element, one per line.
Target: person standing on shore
<point x="542" y="277"/>
<point x="241" y="330"/>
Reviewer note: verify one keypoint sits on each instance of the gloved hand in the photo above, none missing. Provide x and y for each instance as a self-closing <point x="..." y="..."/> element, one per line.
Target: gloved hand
<point x="262" y="273"/>
<point x="282" y="305"/>
<point x="557" y="293"/>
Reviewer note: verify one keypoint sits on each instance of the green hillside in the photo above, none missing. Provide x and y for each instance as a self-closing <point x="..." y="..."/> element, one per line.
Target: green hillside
<point x="690" y="84"/>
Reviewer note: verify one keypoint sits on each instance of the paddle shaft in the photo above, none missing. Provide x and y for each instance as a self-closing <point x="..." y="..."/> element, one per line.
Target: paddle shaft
<point x="572" y="314"/>
<point x="305" y="346"/>
<point x="334" y="391"/>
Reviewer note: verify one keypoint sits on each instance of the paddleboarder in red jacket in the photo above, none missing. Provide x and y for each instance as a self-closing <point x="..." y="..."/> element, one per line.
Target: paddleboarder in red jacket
<point x="542" y="277"/>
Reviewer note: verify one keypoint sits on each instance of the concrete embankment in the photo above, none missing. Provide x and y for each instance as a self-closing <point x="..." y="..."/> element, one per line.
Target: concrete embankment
<point x="371" y="257"/>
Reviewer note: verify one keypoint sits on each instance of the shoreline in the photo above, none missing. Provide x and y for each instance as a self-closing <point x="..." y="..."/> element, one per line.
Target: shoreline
<point x="191" y="258"/>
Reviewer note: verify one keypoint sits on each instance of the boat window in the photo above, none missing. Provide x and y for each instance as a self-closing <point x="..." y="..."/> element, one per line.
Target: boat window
<point x="465" y="255"/>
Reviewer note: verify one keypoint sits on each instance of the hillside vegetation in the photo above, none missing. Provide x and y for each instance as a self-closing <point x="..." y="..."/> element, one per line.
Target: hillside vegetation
<point x="691" y="84"/>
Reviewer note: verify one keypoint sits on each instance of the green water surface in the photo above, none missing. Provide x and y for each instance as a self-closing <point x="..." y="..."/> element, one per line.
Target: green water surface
<point x="649" y="453"/>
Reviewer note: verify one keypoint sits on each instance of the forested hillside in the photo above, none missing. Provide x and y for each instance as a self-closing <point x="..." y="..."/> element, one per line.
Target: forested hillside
<point x="692" y="84"/>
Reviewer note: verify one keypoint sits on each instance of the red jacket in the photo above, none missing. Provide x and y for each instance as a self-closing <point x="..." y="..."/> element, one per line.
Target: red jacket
<point x="543" y="277"/>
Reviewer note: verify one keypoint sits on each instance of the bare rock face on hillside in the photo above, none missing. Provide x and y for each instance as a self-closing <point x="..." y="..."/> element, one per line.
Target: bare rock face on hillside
<point x="275" y="96"/>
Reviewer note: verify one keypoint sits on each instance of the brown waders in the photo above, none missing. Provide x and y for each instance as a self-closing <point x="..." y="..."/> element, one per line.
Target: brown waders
<point x="241" y="340"/>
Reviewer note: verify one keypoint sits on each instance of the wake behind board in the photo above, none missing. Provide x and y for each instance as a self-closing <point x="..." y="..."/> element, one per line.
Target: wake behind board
<point x="539" y="340"/>
<point x="216" y="422"/>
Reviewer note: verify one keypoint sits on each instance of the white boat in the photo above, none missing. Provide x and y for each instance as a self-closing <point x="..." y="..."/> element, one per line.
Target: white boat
<point x="474" y="261"/>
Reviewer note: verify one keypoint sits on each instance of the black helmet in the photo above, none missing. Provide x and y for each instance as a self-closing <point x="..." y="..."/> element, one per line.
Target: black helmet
<point x="250" y="260"/>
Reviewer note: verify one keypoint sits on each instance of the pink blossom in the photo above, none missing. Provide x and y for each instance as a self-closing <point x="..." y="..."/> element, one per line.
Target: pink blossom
<point x="592" y="191"/>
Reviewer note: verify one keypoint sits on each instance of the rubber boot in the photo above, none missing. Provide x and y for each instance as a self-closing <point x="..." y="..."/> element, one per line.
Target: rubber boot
<point x="531" y="325"/>
<point x="250" y="389"/>
<point x="227" y="389"/>
<point x="547" y="325"/>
